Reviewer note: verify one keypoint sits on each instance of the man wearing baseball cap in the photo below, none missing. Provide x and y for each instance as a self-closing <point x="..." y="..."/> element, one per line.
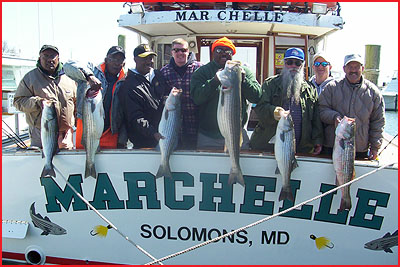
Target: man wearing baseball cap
<point x="205" y="87"/>
<point x="354" y="97"/>
<point x="48" y="82"/>
<point x="287" y="93"/>
<point x="322" y="68"/>
<point x="106" y="76"/>
<point x="141" y="99"/>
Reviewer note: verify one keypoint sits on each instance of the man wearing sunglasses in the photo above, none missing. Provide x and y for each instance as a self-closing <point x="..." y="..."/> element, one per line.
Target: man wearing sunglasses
<point x="288" y="91"/>
<point x="178" y="74"/>
<point x="106" y="76"/>
<point x="205" y="87"/>
<point x="354" y="97"/>
<point x="322" y="68"/>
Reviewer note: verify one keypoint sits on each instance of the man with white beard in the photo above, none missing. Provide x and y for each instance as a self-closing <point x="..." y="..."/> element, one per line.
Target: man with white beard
<point x="289" y="92"/>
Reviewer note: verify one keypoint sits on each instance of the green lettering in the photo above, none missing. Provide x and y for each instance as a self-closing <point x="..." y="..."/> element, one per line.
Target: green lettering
<point x="134" y="190"/>
<point x="170" y="192"/>
<point x="209" y="192"/>
<point x="105" y="192"/>
<point x="305" y="212"/>
<point x="251" y="195"/>
<point x="323" y="214"/>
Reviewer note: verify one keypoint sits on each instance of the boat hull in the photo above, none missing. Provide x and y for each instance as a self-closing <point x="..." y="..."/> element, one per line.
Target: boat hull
<point x="164" y="216"/>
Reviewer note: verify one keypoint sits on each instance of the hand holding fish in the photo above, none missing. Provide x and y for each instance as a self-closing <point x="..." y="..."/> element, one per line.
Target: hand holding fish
<point x="280" y="112"/>
<point x="158" y="136"/>
<point x="373" y="155"/>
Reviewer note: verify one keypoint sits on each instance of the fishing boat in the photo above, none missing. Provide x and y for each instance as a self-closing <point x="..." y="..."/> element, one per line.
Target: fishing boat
<point x="196" y="217"/>
<point x="390" y="94"/>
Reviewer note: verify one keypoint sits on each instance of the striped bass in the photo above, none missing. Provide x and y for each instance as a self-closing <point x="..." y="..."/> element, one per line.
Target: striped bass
<point x="229" y="115"/>
<point x="49" y="137"/>
<point x="93" y="125"/>
<point x="285" y="149"/>
<point x="169" y="128"/>
<point x="45" y="224"/>
<point x="343" y="158"/>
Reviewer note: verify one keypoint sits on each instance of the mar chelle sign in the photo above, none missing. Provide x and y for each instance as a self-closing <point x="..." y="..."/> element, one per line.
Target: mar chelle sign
<point x="229" y="15"/>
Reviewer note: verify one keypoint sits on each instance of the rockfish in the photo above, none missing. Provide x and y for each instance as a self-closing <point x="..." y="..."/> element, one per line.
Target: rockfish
<point x="169" y="128"/>
<point x="49" y="137"/>
<point x="93" y="125"/>
<point x="229" y="115"/>
<point x="343" y="158"/>
<point x="47" y="226"/>
<point x="285" y="149"/>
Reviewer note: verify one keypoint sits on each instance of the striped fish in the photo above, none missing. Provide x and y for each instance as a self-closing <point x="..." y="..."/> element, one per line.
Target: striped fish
<point x="93" y="125"/>
<point x="169" y="128"/>
<point x="45" y="224"/>
<point x="229" y="115"/>
<point x="49" y="137"/>
<point x="285" y="149"/>
<point x="384" y="243"/>
<point x="343" y="157"/>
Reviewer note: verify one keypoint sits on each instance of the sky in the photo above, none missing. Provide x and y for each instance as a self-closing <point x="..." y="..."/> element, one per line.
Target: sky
<point x="85" y="30"/>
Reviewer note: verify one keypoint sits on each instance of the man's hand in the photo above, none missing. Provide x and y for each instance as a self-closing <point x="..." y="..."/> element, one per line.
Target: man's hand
<point x="94" y="82"/>
<point x="279" y="112"/>
<point x="317" y="149"/>
<point x="158" y="136"/>
<point x="373" y="154"/>
<point x="337" y="120"/>
<point x="92" y="93"/>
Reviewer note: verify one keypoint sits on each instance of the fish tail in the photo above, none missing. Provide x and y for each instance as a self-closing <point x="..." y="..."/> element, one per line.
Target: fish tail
<point x="286" y="193"/>
<point x="236" y="176"/>
<point x="48" y="170"/>
<point x="90" y="170"/>
<point x="345" y="204"/>
<point x="164" y="170"/>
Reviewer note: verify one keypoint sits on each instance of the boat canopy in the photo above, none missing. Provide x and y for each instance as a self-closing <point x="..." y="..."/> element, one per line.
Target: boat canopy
<point x="257" y="19"/>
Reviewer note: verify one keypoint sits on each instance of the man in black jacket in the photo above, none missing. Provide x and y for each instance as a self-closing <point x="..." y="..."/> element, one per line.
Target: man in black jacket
<point x="141" y="98"/>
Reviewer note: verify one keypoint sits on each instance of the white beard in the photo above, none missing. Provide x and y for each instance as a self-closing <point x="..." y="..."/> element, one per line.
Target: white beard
<point x="291" y="83"/>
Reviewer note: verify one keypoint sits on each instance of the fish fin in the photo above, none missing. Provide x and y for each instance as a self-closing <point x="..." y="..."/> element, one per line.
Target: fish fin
<point x="282" y="137"/>
<point x="341" y="143"/>
<point x="386" y="235"/>
<point x="294" y="164"/>
<point x="46" y="219"/>
<point x="387" y="250"/>
<point x="345" y="204"/>
<point x="33" y="208"/>
<point x="277" y="170"/>
<point x="42" y="154"/>
<point x="92" y="106"/>
<point x="337" y="181"/>
<point x="395" y="233"/>
<point x="236" y="175"/>
<point x="48" y="171"/>
<point x="241" y="139"/>
<point x="90" y="170"/>
<point x="272" y="140"/>
<point x="166" y="114"/>
<point x="46" y="125"/>
<point x="45" y="233"/>
<point x="222" y="98"/>
<point x="98" y="149"/>
<point x="286" y="193"/>
<point x="164" y="170"/>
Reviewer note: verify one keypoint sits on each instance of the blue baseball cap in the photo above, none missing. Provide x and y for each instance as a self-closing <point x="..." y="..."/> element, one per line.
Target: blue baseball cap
<point x="294" y="52"/>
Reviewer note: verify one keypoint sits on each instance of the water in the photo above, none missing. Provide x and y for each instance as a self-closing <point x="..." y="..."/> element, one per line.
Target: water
<point x="391" y="125"/>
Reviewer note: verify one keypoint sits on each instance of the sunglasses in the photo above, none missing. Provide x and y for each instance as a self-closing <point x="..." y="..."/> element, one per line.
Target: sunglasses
<point x="220" y="50"/>
<point x="324" y="64"/>
<point x="290" y="62"/>
<point x="183" y="50"/>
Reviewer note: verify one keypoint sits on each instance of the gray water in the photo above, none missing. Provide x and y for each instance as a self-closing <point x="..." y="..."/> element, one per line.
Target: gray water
<point x="391" y="125"/>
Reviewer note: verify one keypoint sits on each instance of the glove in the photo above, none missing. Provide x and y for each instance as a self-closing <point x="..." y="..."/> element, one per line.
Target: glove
<point x="277" y="113"/>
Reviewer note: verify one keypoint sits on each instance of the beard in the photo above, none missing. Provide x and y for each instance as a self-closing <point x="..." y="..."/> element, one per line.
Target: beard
<point x="291" y="82"/>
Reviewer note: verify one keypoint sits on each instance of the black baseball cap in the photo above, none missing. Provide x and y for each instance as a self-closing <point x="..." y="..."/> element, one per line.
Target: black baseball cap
<point x="45" y="47"/>
<point x="143" y="50"/>
<point x="116" y="50"/>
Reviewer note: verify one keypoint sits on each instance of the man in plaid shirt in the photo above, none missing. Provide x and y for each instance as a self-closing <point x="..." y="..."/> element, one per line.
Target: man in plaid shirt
<point x="178" y="74"/>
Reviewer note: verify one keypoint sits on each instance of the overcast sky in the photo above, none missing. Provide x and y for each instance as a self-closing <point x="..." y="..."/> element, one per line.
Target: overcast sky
<point x="86" y="30"/>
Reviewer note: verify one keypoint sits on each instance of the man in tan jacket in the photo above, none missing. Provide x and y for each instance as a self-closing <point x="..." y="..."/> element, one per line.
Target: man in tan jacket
<point x="354" y="97"/>
<point x="48" y="82"/>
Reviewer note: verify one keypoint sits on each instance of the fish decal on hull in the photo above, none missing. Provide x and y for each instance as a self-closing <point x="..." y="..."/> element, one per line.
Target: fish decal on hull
<point x="229" y="116"/>
<point x="384" y="243"/>
<point x="45" y="224"/>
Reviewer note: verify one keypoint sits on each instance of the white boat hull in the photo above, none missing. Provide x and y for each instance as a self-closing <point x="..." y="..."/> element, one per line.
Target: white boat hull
<point x="199" y="206"/>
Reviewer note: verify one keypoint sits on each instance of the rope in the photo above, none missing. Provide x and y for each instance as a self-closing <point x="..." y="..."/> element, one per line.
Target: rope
<point x="13" y="136"/>
<point x="104" y="218"/>
<point x="268" y="218"/>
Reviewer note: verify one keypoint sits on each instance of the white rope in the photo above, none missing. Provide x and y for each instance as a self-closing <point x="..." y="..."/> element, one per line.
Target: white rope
<point x="267" y="218"/>
<point x="105" y="219"/>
